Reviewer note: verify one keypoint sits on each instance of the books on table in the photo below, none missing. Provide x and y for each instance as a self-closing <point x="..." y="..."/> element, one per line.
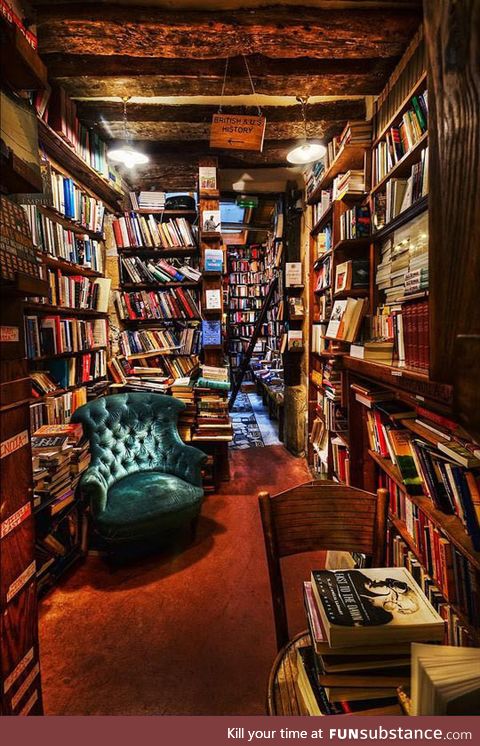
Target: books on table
<point x="377" y="606"/>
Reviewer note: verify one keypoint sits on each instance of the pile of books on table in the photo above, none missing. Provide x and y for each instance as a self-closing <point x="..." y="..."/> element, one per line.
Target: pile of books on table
<point x="362" y="624"/>
<point x="213" y="420"/>
<point x="60" y="456"/>
<point x="182" y="388"/>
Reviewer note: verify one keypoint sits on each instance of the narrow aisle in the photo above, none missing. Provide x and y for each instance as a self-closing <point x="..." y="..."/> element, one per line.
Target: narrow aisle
<point x="252" y="426"/>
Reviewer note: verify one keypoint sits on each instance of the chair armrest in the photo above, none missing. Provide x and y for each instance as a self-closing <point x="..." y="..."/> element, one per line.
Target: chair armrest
<point x="186" y="461"/>
<point x="94" y="488"/>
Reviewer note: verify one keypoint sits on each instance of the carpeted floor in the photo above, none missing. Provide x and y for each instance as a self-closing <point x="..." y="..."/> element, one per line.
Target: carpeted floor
<point x="252" y="427"/>
<point x="186" y="633"/>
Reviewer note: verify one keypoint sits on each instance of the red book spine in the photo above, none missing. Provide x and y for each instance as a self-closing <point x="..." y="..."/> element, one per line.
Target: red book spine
<point x="407" y="334"/>
<point x="185" y="304"/>
<point x="117" y="233"/>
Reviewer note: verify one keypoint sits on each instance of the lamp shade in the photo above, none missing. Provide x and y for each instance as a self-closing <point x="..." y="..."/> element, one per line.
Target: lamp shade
<point x="127" y="156"/>
<point x="307" y="152"/>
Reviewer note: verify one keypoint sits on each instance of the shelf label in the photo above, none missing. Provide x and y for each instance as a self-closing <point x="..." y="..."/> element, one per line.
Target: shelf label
<point x="13" y="444"/>
<point x="28" y="706"/>
<point x="22" y="579"/>
<point x="26" y="684"/>
<point x="398" y="373"/>
<point x="420" y="398"/>
<point x="9" y="334"/>
<point x="15" y="519"/>
<point x="19" y="669"/>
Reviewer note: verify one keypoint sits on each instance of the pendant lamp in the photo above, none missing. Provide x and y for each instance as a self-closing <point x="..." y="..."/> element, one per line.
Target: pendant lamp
<point x="308" y="150"/>
<point x="126" y="154"/>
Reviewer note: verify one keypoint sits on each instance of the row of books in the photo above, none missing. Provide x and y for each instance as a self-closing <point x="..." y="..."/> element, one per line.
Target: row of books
<point x="355" y="223"/>
<point x="73" y="202"/>
<point x="400" y="194"/>
<point x="174" y="303"/>
<point x="254" y="279"/>
<point x="445" y="472"/>
<point x="161" y="369"/>
<point x="247" y="291"/>
<point x="186" y="341"/>
<point x="437" y="557"/>
<point x="135" y="231"/>
<point x="213" y="420"/>
<point x="400" y="139"/>
<point x="52" y="238"/>
<point x="456" y="632"/>
<point x="78" y="370"/>
<point x="406" y="325"/>
<point x="247" y="265"/>
<point x="61" y="115"/>
<point x="56" y="410"/>
<point x="245" y="304"/>
<point x="48" y="336"/>
<point x="320" y="207"/>
<point x="77" y="291"/>
<point x="352" y="183"/>
<point x="137" y="270"/>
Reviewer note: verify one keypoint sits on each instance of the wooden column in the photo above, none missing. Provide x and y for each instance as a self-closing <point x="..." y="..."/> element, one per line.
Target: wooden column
<point x="452" y="34"/>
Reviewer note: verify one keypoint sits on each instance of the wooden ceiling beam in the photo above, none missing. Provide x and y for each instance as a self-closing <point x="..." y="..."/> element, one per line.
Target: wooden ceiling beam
<point x="276" y="32"/>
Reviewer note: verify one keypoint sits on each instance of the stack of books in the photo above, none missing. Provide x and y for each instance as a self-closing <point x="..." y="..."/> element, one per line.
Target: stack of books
<point x="214" y="377"/>
<point x="352" y="182"/>
<point x="182" y="388"/>
<point x="361" y="624"/>
<point x="213" y="420"/>
<point x="148" y="200"/>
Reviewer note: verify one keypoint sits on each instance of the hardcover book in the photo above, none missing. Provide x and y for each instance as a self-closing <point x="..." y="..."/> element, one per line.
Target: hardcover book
<point x="382" y="605"/>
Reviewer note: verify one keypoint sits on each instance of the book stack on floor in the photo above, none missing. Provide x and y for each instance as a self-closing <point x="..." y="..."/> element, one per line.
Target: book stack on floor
<point x="182" y="388"/>
<point x="213" y="420"/>
<point x="361" y="625"/>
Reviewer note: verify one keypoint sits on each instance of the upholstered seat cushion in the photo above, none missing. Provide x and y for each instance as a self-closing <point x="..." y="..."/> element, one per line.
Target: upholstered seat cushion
<point x="148" y="503"/>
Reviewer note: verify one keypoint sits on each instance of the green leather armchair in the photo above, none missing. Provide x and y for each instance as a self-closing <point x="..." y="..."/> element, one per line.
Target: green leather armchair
<point x="143" y="482"/>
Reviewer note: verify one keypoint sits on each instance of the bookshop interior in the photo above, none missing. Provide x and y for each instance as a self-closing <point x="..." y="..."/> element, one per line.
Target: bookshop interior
<point x="240" y="344"/>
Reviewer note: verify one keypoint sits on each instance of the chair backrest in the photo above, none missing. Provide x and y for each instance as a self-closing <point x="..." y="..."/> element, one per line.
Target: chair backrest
<point x="130" y="432"/>
<point x="317" y="516"/>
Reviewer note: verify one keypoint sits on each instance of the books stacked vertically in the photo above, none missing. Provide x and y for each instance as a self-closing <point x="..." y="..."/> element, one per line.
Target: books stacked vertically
<point x="83" y="368"/>
<point x="457" y="602"/>
<point x="174" y="303"/>
<point x="52" y="238"/>
<point x="73" y="202"/>
<point x="355" y="223"/>
<point x="182" y="388"/>
<point x="313" y="176"/>
<point x="352" y="182"/>
<point x="361" y="625"/>
<point x="57" y="407"/>
<point x="400" y="139"/>
<point x="323" y="204"/>
<point x="406" y="325"/>
<point x="77" y="291"/>
<point x="148" y="200"/>
<point x="445" y="685"/>
<point x="137" y="270"/>
<point x="340" y="459"/>
<point x="56" y="335"/>
<point x="139" y="231"/>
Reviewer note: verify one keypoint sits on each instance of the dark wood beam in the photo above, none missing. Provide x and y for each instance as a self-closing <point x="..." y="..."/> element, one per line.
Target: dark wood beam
<point x="155" y="76"/>
<point x="93" y="112"/>
<point x="277" y="32"/>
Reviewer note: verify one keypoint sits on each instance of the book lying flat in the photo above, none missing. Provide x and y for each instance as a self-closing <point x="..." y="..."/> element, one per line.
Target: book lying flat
<point x="368" y="606"/>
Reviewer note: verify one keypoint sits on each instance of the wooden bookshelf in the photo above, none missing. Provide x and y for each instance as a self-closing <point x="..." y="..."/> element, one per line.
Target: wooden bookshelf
<point x="166" y="213"/>
<point x="59" y="355"/>
<point x="22" y="67"/>
<point x="68" y="223"/>
<point x="400" y="220"/>
<point x="45" y="308"/>
<point x="68" y="268"/>
<point x="403" y="167"/>
<point x="61" y="152"/>
<point x="158" y="251"/>
<point x="132" y="286"/>
<point x="350" y="156"/>
<point x="418" y="87"/>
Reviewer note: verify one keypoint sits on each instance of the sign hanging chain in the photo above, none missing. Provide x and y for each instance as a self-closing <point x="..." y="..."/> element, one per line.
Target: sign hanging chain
<point x="251" y="82"/>
<point x="223" y="85"/>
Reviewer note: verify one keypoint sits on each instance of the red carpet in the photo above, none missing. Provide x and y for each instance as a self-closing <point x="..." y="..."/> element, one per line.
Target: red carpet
<point x="187" y="633"/>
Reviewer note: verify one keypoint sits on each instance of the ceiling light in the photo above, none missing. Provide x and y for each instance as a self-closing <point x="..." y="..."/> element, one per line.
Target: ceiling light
<point x="126" y="154"/>
<point x="309" y="150"/>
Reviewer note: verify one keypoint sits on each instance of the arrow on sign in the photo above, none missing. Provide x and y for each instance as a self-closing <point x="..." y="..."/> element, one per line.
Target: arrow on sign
<point x="232" y="141"/>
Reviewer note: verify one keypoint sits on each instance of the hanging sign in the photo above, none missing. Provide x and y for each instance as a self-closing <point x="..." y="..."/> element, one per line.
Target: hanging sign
<point x="237" y="132"/>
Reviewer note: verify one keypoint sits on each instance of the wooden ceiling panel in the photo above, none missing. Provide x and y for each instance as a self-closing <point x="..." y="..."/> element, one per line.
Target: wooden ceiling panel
<point x="276" y="32"/>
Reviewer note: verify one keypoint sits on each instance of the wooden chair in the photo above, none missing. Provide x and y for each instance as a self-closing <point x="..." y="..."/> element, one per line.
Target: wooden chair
<point x="315" y="516"/>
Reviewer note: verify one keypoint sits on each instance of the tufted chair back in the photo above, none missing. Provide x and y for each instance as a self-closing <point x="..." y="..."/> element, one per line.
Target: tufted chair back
<point x="134" y="432"/>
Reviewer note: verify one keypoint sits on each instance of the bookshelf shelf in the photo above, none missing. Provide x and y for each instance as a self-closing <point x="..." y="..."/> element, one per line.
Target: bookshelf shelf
<point x="352" y="293"/>
<point x="59" y="150"/>
<point x="63" y="311"/>
<point x="419" y="87"/>
<point x="449" y="524"/>
<point x="404" y="165"/>
<point x="411" y="212"/>
<point x="68" y="268"/>
<point x="58" y="355"/>
<point x="68" y="223"/>
<point x="159" y="321"/>
<point x="324" y="218"/>
<point x="21" y="64"/>
<point x="158" y="251"/>
<point x="350" y="156"/>
<point x="352" y="243"/>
